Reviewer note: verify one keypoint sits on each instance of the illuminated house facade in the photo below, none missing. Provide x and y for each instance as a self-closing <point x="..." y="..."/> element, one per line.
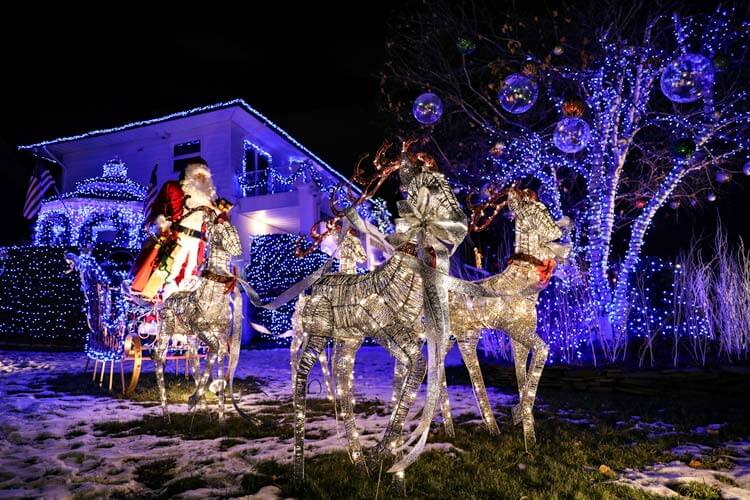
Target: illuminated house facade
<point x="278" y="185"/>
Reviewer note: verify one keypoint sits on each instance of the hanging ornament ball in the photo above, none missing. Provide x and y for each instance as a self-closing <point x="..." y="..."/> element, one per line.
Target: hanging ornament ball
<point x="497" y="149"/>
<point x="573" y="108"/>
<point x="571" y="134"/>
<point x="674" y="204"/>
<point x="640" y="203"/>
<point x="518" y="93"/>
<point x="723" y="177"/>
<point x="711" y="196"/>
<point x="682" y="148"/>
<point x="466" y="45"/>
<point x="428" y="108"/>
<point x="558" y="50"/>
<point x="687" y="78"/>
<point x="746" y="168"/>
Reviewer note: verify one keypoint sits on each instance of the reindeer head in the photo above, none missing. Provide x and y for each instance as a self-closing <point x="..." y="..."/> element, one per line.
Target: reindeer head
<point x="537" y="233"/>
<point x="223" y="234"/>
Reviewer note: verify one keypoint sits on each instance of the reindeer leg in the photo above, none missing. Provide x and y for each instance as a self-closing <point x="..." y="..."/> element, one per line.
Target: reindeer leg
<point x="327" y="377"/>
<point x="403" y="345"/>
<point x="213" y="353"/>
<point x="344" y="369"/>
<point x="310" y="350"/>
<point x="195" y="361"/>
<point x="538" y="360"/>
<point x="220" y="377"/>
<point x="445" y="402"/>
<point x="399" y="370"/>
<point x="520" y="357"/>
<point x="166" y="330"/>
<point x="467" y="344"/>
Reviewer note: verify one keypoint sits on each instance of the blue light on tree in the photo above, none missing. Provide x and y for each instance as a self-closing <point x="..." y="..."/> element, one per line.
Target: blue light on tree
<point x="571" y="134"/>
<point x="687" y="78"/>
<point x="518" y="94"/>
<point x="428" y="108"/>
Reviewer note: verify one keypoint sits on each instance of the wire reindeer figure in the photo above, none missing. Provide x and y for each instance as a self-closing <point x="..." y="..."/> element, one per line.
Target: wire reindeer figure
<point x="207" y="313"/>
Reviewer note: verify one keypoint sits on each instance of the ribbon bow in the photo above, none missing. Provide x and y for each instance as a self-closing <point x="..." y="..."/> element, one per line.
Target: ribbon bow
<point x="429" y="223"/>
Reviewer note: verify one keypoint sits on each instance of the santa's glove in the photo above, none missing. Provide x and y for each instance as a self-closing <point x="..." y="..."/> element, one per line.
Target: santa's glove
<point x="163" y="224"/>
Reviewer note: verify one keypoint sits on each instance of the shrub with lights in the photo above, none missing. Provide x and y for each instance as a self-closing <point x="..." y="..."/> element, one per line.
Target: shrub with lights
<point x="610" y="120"/>
<point x="40" y="300"/>
<point x="273" y="268"/>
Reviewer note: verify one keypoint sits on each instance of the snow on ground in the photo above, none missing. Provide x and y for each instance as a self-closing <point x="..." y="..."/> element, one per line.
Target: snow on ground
<point x="48" y="446"/>
<point x="656" y="478"/>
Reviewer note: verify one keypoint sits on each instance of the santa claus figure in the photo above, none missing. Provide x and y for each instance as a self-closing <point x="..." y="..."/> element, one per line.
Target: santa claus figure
<point x="180" y="213"/>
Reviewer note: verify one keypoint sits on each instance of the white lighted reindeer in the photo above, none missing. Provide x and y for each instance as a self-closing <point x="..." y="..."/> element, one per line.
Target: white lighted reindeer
<point x="537" y="252"/>
<point x="385" y="304"/>
<point x="206" y="312"/>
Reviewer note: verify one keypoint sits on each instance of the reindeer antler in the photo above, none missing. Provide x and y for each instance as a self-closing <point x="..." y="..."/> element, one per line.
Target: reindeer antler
<point x="331" y="225"/>
<point x="384" y="168"/>
<point x="496" y="201"/>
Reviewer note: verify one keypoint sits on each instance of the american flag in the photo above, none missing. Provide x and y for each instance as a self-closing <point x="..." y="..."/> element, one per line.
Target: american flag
<point x="40" y="182"/>
<point x="152" y="191"/>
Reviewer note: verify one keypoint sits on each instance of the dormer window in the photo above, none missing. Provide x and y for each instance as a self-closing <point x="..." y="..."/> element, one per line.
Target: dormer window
<point x="183" y="153"/>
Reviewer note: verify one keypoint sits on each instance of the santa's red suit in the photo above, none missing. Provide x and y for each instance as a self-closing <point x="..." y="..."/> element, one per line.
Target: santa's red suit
<point x="180" y="213"/>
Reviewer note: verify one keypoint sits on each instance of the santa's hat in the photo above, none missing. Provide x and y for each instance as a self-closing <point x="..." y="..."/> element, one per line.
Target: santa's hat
<point x="195" y="166"/>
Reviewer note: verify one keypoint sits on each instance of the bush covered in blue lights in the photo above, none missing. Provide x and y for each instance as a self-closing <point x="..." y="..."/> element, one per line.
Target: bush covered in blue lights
<point x="273" y="268"/>
<point x="40" y="302"/>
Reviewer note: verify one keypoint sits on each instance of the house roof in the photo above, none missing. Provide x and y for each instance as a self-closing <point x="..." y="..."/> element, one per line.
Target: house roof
<point x="239" y="103"/>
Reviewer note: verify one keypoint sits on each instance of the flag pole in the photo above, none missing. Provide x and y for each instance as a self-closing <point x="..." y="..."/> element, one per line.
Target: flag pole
<point x="57" y="191"/>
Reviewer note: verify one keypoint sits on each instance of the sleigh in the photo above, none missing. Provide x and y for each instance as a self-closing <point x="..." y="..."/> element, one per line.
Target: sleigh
<point x="122" y="327"/>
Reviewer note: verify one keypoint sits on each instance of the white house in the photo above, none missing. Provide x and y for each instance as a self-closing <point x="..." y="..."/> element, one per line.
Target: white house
<point x="279" y="185"/>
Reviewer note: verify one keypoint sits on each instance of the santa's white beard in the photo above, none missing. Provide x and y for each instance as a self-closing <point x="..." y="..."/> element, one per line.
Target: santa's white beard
<point x="198" y="192"/>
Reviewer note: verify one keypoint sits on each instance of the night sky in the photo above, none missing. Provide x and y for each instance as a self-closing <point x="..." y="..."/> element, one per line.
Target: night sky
<point x="312" y="69"/>
<point x="309" y="70"/>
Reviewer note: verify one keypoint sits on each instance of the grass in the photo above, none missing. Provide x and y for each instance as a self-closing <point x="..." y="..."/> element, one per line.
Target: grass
<point x="159" y="475"/>
<point x="696" y="490"/>
<point x="228" y="443"/>
<point x="567" y="463"/>
<point x="75" y="433"/>
<point x="197" y="426"/>
<point x="74" y="456"/>
<point x="577" y="461"/>
<point x="178" y="387"/>
<point x="154" y="474"/>
<point x="44" y="435"/>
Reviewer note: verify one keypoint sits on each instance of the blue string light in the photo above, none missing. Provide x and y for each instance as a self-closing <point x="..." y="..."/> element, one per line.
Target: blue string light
<point x="273" y="268"/>
<point x="111" y="202"/>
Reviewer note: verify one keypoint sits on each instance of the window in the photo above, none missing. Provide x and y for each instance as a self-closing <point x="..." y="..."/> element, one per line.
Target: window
<point x="256" y="158"/>
<point x="181" y="164"/>
<point x="183" y="153"/>
<point x="256" y="164"/>
<point x="187" y="148"/>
